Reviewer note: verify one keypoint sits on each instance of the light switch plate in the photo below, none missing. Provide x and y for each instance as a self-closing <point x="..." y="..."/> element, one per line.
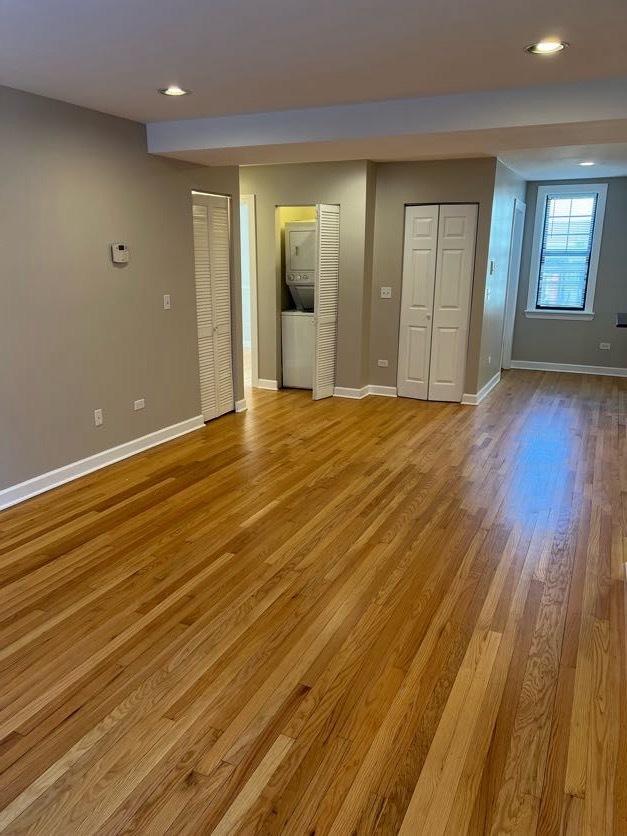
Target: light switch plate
<point x="167" y="302"/>
<point x="386" y="292"/>
<point x="139" y="404"/>
<point x="383" y="364"/>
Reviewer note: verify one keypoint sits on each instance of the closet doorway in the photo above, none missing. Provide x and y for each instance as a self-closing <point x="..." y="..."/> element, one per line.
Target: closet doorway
<point x="212" y="251"/>
<point x="438" y="261"/>
<point x="248" y="245"/>
<point x="308" y="266"/>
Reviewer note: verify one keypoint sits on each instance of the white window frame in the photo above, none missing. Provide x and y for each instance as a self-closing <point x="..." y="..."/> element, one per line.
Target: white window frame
<point x="598" y="189"/>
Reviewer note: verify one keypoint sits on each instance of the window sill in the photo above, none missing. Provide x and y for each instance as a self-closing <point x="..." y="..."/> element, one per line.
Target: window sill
<point x="584" y="316"/>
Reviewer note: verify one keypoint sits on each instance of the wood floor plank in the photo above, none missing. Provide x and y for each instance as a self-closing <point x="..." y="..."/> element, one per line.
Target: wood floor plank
<point x="383" y="616"/>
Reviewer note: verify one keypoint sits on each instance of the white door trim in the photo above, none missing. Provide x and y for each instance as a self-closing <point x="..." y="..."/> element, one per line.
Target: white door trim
<point x="249" y="201"/>
<point x="513" y="277"/>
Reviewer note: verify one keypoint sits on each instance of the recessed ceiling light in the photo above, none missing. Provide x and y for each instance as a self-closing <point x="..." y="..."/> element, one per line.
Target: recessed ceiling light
<point x="586" y="162"/>
<point x="173" y="90"/>
<point x="547" y="47"/>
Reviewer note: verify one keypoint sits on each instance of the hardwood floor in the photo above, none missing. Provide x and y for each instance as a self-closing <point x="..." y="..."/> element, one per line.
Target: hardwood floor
<point x="335" y="617"/>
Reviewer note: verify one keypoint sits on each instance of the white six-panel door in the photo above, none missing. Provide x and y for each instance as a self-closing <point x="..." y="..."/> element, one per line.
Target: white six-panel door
<point x="438" y="264"/>
<point x="210" y="215"/>
<point x="326" y="299"/>
<point x="419" y="260"/>
<point x="451" y="303"/>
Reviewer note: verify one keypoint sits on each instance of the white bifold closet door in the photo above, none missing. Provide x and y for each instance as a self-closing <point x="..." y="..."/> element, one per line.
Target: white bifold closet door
<point x="419" y="260"/>
<point x="326" y="299"/>
<point x="438" y="264"/>
<point x="213" y="302"/>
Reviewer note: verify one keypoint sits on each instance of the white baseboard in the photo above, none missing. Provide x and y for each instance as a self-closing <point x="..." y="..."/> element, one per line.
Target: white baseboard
<point x="383" y="391"/>
<point x="267" y="384"/>
<point x="346" y="392"/>
<point x="473" y="400"/>
<point x="240" y="406"/>
<point x="54" y="478"/>
<point x="358" y="394"/>
<point x="571" y="368"/>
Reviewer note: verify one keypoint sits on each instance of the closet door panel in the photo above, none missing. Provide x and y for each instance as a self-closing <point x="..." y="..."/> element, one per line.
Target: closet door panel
<point x="221" y="287"/>
<point x="204" y="312"/>
<point x="451" y="302"/>
<point x="210" y="215"/>
<point x="326" y="299"/>
<point x="419" y="264"/>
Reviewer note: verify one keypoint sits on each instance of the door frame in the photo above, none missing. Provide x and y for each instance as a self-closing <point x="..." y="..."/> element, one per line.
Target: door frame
<point x="513" y="278"/>
<point x="249" y="201"/>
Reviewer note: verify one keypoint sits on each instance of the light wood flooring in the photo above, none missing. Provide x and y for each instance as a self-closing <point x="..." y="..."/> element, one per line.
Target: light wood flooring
<point x="374" y="616"/>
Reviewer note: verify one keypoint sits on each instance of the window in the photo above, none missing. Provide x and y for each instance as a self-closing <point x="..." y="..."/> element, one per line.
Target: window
<point x="565" y="253"/>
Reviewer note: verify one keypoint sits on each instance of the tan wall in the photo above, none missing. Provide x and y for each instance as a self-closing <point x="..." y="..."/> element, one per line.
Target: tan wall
<point x="398" y="184"/>
<point x="567" y="341"/>
<point x="342" y="183"/>
<point x="77" y="332"/>
<point x="507" y="187"/>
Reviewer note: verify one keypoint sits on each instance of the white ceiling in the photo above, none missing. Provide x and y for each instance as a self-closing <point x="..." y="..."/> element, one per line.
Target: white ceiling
<point x="497" y="123"/>
<point x="265" y="55"/>
<point x="562" y="163"/>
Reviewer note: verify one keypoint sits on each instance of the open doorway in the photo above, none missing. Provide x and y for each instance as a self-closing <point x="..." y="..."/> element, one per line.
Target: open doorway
<point x="513" y="274"/>
<point x="296" y="266"/>
<point x="248" y="243"/>
<point x="308" y="263"/>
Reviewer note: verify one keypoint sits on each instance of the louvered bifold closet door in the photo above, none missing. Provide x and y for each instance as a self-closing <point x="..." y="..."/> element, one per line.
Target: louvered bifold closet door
<point x="213" y="304"/>
<point x="221" y="284"/>
<point x="326" y="299"/>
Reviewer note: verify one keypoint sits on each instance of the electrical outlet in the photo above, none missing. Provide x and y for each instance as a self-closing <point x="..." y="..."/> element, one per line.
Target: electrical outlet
<point x="139" y="404"/>
<point x="605" y="346"/>
<point x="98" y="417"/>
<point x="383" y="364"/>
<point x="167" y="302"/>
<point x="385" y="292"/>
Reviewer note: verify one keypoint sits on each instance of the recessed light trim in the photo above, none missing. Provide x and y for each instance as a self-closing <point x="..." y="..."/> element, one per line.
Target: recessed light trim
<point x="587" y="162"/>
<point x="548" y="46"/>
<point x="174" y="90"/>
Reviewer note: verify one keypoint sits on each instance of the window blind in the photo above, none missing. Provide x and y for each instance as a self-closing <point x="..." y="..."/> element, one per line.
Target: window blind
<point x="566" y="248"/>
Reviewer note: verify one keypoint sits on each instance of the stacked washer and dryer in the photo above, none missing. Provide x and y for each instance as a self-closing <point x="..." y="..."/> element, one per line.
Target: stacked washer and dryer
<point x="297" y="326"/>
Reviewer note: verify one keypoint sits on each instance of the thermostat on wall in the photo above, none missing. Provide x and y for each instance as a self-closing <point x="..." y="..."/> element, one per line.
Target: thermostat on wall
<point x="119" y="253"/>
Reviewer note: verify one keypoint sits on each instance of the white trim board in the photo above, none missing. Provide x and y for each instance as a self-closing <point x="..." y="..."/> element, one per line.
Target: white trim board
<point x="46" y="481"/>
<point x="240" y="406"/>
<point x="473" y="400"/>
<point x="571" y="368"/>
<point x="268" y="384"/>
<point x="383" y="391"/>
<point x="358" y="394"/>
<point x="346" y="392"/>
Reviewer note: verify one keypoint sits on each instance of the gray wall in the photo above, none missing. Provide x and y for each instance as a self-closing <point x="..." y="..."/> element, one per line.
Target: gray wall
<point x="398" y="184"/>
<point x="507" y="187"/>
<point x="77" y="332"/>
<point x="343" y="183"/>
<point x="567" y="341"/>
